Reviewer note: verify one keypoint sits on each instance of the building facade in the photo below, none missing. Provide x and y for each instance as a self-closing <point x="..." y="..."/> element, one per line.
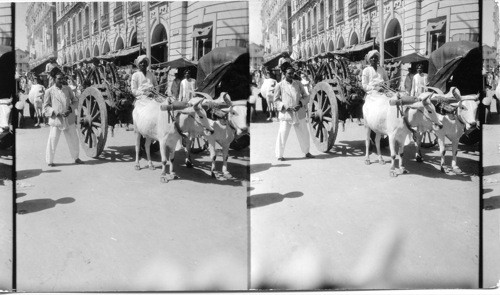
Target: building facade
<point x="408" y="25"/>
<point x="177" y="29"/>
<point x="5" y="24"/>
<point x="40" y="18"/>
<point x="22" y="61"/>
<point x="256" y="56"/>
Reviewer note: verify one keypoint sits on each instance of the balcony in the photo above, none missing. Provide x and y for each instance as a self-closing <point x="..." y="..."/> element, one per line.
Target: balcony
<point x="96" y="26"/>
<point x="85" y="31"/>
<point x="79" y="34"/>
<point x="353" y="8"/>
<point x="330" y="21"/>
<point x="321" y="26"/>
<point x="303" y="37"/>
<point x="308" y="33"/>
<point x="314" y="30"/>
<point x="339" y="15"/>
<point x="134" y="7"/>
<point x="118" y="13"/>
<point x="367" y="4"/>
<point x="73" y="38"/>
<point x="105" y="21"/>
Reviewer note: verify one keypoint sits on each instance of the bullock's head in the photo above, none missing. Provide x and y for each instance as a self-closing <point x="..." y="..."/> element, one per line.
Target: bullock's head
<point x="467" y="109"/>
<point x="428" y="111"/>
<point x="237" y="116"/>
<point x="198" y="114"/>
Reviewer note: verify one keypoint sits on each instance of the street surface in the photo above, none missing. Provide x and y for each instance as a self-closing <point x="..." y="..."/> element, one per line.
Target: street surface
<point x="104" y="226"/>
<point x="6" y="226"/>
<point x="491" y="204"/>
<point x="335" y="218"/>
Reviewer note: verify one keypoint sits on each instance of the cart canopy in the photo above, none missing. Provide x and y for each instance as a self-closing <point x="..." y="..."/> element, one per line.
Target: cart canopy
<point x="456" y="64"/>
<point x="225" y="69"/>
<point x="174" y="64"/>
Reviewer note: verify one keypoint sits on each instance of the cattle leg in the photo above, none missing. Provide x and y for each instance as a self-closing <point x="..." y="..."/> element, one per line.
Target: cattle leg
<point x="367" y="144"/>
<point x="442" y="152"/>
<point x="147" y="146"/>
<point x="392" y="147"/>
<point x="225" y="155"/>
<point x="418" y="142"/>
<point x="401" y="148"/>
<point x="213" y="157"/>
<point x="137" y="151"/>
<point x="163" y="152"/>
<point x="378" y="136"/>
<point x="454" y="151"/>
<point x="171" y="163"/>
<point x="188" y="162"/>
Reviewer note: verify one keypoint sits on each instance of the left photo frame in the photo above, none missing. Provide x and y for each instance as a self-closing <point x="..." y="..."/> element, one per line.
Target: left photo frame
<point x="7" y="96"/>
<point x="147" y="189"/>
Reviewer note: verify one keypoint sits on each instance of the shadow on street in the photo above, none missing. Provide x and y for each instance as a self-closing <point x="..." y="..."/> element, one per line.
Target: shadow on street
<point x="491" y="203"/>
<point x="261" y="200"/>
<point x="23" y="174"/>
<point x="256" y="168"/>
<point x="37" y="205"/>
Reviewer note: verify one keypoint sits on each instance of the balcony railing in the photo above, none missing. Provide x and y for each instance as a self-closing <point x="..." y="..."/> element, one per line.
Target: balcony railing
<point x="95" y="24"/>
<point x="308" y="33"/>
<point x="330" y="21"/>
<point x="118" y="13"/>
<point x="321" y="25"/>
<point x="303" y="37"/>
<point x="353" y="8"/>
<point x="105" y="20"/>
<point x="368" y="4"/>
<point x="85" y="31"/>
<point x="79" y="34"/>
<point x="339" y="15"/>
<point x="134" y="7"/>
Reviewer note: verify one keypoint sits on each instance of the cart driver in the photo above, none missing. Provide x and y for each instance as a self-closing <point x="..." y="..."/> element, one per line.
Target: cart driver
<point x="143" y="82"/>
<point x="374" y="76"/>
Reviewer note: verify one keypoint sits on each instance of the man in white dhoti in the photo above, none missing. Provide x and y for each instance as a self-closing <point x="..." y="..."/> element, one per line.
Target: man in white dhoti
<point x="419" y="82"/>
<point x="143" y="82"/>
<point x="291" y="101"/>
<point x="59" y="105"/>
<point x="187" y="87"/>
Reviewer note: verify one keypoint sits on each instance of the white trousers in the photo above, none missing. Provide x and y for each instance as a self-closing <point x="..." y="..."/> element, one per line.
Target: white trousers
<point x="71" y="139"/>
<point x="302" y="135"/>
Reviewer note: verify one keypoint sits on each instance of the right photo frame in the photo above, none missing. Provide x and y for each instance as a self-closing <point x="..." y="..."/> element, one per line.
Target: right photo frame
<point x="379" y="185"/>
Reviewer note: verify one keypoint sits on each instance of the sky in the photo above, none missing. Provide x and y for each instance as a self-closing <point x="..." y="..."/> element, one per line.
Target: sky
<point x="255" y="22"/>
<point x="21" y="30"/>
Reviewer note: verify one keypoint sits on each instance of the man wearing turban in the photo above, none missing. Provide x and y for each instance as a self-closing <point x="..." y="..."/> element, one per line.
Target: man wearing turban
<point x="143" y="82"/>
<point x="373" y="75"/>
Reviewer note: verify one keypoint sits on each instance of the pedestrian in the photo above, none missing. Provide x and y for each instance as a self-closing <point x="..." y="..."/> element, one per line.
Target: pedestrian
<point x="143" y="81"/>
<point x="419" y="81"/>
<point x="36" y="95"/>
<point x="187" y="87"/>
<point x="59" y="105"/>
<point x="409" y="80"/>
<point x="176" y="86"/>
<point x="374" y="76"/>
<point x="291" y="100"/>
<point x="267" y="91"/>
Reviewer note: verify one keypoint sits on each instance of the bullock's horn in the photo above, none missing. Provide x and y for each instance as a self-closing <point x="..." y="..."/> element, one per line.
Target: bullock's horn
<point x="456" y="93"/>
<point x="437" y="90"/>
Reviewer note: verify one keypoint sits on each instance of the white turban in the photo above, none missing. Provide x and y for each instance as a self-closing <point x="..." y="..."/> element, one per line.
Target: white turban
<point x="372" y="53"/>
<point x="141" y="58"/>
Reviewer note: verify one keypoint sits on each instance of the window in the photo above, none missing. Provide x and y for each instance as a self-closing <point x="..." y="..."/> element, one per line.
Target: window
<point x="202" y="39"/>
<point x="436" y="33"/>
<point x="96" y="11"/>
<point x="105" y="8"/>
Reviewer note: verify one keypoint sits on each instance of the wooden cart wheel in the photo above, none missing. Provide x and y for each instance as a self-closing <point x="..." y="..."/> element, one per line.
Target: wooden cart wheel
<point x="429" y="139"/>
<point x="92" y="122"/>
<point x="323" y="111"/>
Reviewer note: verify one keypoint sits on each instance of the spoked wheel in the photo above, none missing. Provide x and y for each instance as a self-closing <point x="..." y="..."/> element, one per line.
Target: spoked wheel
<point x="92" y="122"/>
<point x="429" y="139"/>
<point x="323" y="111"/>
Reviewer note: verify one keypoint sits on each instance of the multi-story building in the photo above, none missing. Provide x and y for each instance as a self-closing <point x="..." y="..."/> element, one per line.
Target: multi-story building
<point x="275" y="15"/>
<point x="5" y="26"/>
<point x="40" y="17"/>
<point x="177" y="29"/>
<point x="408" y="25"/>
<point x="256" y="56"/>
<point x="22" y="61"/>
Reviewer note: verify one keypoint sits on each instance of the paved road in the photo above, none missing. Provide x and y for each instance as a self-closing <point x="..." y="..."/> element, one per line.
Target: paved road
<point x="6" y="224"/>
<point x="103" y="226"/>
<point x="491" y="204"/>
<point x="336" y="210"/>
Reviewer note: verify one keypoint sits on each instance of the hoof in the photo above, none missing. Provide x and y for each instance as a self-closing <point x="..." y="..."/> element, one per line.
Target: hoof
<point x="164" y="179"/>
<point x="367" y="162"/>
<point x="403" y="171"/>
<point x="137" y="167"/>
<point x="442" y="169"/>
<point x="151" y="167"/>
<point x="189" y="164"/>
<point x="457" y="170"/>
<point x="227" y="175"/>
<point x="174" y="176"/>
<point x="381" y="161"/>
<point x="419" y="159"/>
<point x="393" y="173"/>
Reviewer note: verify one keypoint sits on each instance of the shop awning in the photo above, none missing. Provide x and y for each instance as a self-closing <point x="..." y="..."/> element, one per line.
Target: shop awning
<point x="202" y="30"/>
<point x="176" y="63"/>
<point x="409" y="58"/>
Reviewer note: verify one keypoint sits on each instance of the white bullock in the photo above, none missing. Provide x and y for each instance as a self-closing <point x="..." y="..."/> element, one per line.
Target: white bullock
<point x="155" y="124"/>
<point x="385" y="119"/>
<point x="5" y="109"/>
<point x="233" y="123"/>
<point x="463" y="117"/>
